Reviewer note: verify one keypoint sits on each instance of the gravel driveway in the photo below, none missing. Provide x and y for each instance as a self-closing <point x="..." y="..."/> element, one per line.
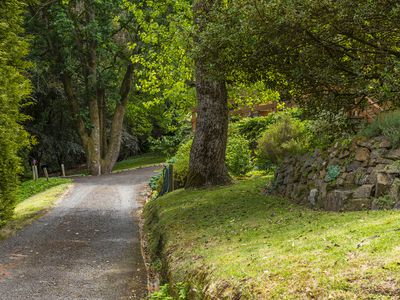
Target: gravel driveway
<point x="87" y="247"/>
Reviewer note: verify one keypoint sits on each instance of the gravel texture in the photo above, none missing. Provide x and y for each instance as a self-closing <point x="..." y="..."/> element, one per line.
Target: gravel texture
<point x="87" y="247"/>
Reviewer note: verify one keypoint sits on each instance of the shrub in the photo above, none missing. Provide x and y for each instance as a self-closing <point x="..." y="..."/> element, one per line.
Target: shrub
<point x="252" y="128"/>
<point x="386" y="124"/>
<point x="286" y="137"/>
<point x="181" y="163"/>
<point x="156" y="181"/>
<point x="238" y="155"/>
<point x="332" y="173"/>
<point x="330" y="127"/>
<point x="169" y="144"/>
<point x="14" y="87"/>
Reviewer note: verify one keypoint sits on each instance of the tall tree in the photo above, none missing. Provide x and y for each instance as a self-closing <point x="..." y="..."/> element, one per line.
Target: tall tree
<point x="207" y="157"/>
<point x="89" y="44"/>
<point x="324" y="54"/>
<point x="14" y="87"/>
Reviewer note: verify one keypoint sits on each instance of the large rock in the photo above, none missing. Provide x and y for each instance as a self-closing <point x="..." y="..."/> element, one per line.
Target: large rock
<point x="383" y="182"/>
<point x="384" y="143"/>
<point x="364" y="191"/>
<point x="393" y="154"/>
<point x="362" y="154"/>
<point x="393" y="168"/>
<point x="358" y="204"/>
<point x="353" y="166"/>
<point x="312" y="197"/>
<point x="394" y="192"/>
<point x="336" y="199"/>
<point x="361" y="176"/>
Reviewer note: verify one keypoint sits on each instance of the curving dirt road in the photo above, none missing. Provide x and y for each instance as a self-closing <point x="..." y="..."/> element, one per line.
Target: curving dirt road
<point x="87" y="247"/>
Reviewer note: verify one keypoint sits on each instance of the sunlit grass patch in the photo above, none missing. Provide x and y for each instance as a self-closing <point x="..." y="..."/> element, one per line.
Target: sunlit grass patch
<point x="32" y="208"/>
<point x="144" y="160"/>
<point x="30" y="187"/>
<point x="236" y="240"/>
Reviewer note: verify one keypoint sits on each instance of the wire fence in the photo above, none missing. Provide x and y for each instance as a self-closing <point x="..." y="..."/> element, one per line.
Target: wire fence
<point x="168" y="180"/>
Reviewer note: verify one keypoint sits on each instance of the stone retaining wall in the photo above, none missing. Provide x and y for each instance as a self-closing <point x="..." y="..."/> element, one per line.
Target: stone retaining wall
<point x="363" y="175"/>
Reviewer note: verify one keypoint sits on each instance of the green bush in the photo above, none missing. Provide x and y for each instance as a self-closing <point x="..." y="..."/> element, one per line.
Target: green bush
<point x="181" y="163"/>
<point x="331" y="127"/>
<point x="156" y="181"/>
<point x="238" y="155"/>
<point x="252" y="128"/>
<point x="286" y="137"/>
<point x="14" y="87"/>
<point x="386" y="124"/>
<point x="169" y="144"/>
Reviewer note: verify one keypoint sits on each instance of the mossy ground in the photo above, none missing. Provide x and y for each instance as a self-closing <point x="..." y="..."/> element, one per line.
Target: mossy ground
<point x="245" y="245"/>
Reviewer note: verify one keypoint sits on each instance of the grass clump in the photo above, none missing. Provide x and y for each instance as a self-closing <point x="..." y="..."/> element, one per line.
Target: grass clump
<point x="234" y="242"/>
<point x="143" y="160"/>
<point x="386" y="124"/>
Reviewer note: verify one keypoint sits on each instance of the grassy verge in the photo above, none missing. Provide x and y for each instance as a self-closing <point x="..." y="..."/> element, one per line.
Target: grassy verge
<point x="33" y="207"/>
<point x="30" y="187"/>
<point x="143" y="160"/>
<point x="236" y="243"/>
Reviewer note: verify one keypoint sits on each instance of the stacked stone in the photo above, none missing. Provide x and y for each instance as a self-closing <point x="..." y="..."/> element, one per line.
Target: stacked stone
<point x="348" y="177"/>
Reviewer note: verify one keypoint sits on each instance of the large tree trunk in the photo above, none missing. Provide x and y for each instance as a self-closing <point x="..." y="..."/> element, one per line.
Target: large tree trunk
<point x="207" y="157"/>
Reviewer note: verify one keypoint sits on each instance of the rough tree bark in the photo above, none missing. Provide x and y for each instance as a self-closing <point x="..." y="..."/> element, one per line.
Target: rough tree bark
<point x="207" y="157"/>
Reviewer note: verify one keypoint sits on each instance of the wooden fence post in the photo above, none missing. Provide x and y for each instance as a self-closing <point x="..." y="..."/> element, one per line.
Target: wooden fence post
<point x="171" y="178"/>
<point x="35" y="168"/>
<point x="46" y="173"/>
<point x="62" y="170"/>
<point x="33" y="173"/>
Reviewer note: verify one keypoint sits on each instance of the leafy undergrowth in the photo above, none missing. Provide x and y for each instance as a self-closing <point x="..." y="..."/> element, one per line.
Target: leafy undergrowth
<point x="236" y="243"/>
<point x="144" y="160"/>
<point x="30" y="187"/>
<point x="32" y="208"/>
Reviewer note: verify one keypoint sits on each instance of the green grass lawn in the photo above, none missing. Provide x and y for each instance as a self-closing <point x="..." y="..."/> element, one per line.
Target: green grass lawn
<point x="237" y="242"/>
<point x="34" y="198"/>
<point x="30" y="187"/>
<point x="143" y="160"/>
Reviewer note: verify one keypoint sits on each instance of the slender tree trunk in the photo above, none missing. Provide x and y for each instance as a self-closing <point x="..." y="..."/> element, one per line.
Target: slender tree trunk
<point x="109" y="160"/>
<point x="207" y="157"/>
<point x="103" y="121"/>
<point x="114" y="145"/>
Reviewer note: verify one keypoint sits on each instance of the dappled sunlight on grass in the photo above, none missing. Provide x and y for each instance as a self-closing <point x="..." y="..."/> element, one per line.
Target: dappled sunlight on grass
<point x="32" y="208"/>
<point x="270" y="247"/>
<point x="143" y="160"/>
